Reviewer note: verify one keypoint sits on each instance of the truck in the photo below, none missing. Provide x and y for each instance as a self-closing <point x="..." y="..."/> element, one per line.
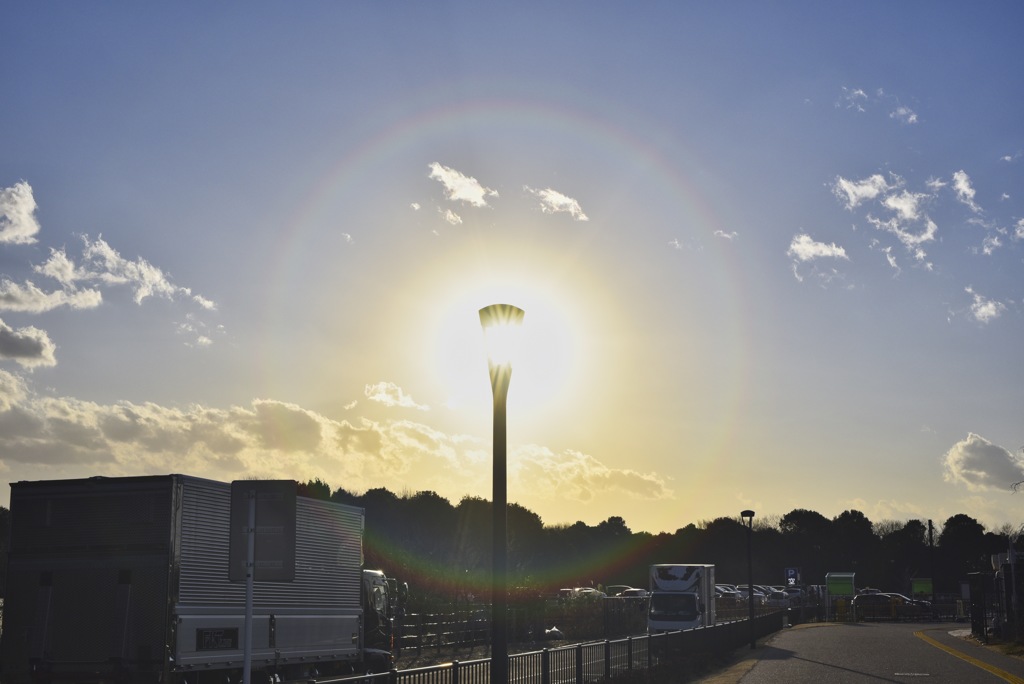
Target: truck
<point x="682" y="596"/>
<point x="126" y="580"/>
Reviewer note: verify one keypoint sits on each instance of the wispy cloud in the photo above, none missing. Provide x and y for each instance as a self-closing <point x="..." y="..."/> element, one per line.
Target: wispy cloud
<point x="909" y="239"/>
<point x="981" y="465"/>
<point x="858" y="100"/>
<point x="803" y="248"/>
<point x="390" y="394"/>
<point x="276" y="439"/>
<point x="853" y="193"/>
<point x="553" y="202"/>
<point x="18" y="223"/>
<point x="581" y="477"/>
<point x="984" y="310"/>
<point x="727" y="236"/>
<point x="964" y="190"/>
<point x="100" y="265"/>
<point x="31" y="299"/>
<point x="904" y="114"/>
<point x="459" y="187"/>
<point x="450" y="216"/>
<point x="103" y="264"/>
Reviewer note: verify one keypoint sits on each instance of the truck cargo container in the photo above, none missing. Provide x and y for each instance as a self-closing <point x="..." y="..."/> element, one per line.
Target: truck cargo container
<point x="682" y="597"/>
<point x="126" y="580"/>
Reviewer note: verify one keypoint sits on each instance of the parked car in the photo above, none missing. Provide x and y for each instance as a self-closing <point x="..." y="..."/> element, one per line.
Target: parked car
<point x="633" y="593"/>
<point x="758" y="597"/>
<point x="875" y="606"/>
<point x="777" y="599"/>
<point x="728" y="596"/>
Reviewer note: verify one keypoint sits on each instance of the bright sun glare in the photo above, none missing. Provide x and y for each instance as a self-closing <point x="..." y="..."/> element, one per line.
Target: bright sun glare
<point x="548" y="357"/>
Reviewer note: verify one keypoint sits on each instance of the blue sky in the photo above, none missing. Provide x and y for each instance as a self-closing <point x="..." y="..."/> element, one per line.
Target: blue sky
<point x="771" y="254"/>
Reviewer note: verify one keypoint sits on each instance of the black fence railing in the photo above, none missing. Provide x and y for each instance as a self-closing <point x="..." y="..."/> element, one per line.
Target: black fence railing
<point x="597" y="660"/>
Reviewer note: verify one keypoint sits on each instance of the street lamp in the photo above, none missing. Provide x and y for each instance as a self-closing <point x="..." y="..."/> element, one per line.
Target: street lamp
<point x="500" y="323"/>
<point x="748" y="516"/>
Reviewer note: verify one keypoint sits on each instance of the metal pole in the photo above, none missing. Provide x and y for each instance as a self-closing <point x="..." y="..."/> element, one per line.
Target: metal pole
<point x="503" y="317"/>
<point x="250" y="567"/>
<point x="750" y="580"/>
<point x="499" y="551"/>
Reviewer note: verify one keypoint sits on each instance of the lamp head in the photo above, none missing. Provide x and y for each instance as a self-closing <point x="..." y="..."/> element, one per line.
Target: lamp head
<point x="748" y="516"/>
<point x="501" y="334"/>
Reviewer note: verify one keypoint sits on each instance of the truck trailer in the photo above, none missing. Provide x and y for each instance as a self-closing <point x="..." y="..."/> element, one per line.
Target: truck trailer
<point x="127" y="580"/>
<point x="682" y="597"/>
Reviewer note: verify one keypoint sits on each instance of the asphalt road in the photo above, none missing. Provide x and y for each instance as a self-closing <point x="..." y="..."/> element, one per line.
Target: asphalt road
<point x="872" y="652"/>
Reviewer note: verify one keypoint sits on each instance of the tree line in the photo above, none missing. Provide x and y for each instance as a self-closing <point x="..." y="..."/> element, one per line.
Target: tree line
<point x="443" y="550"/>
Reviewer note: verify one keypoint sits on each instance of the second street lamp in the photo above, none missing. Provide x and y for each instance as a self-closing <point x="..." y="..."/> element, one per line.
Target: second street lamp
<point x="748" y="516"/>
<point x="500" y="323"/>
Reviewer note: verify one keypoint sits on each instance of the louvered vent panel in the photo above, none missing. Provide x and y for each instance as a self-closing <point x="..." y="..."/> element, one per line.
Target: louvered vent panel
<point x="328" y="553"/>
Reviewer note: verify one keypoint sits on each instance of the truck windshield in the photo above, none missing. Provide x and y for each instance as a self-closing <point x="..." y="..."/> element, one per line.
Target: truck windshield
<point x="674" y="607"/>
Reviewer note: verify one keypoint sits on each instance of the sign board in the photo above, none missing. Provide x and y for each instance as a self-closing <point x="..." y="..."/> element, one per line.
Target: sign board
<point x="921" y="587"/>
<point x="793" y="577"/>
<point x="274" y="536"/>
<point x="839" y="584"/>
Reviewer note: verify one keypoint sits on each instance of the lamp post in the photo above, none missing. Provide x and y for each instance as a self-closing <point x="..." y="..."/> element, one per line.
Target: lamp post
<point x="748" y="516"/>
<point x="499" y="321"/>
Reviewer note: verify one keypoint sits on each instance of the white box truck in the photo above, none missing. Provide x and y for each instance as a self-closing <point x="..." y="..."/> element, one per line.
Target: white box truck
<point x="682" y="597"/>
<point x="126" y="580"/>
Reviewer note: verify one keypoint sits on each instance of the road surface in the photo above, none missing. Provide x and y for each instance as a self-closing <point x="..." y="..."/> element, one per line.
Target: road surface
<point x="830" y="653"/>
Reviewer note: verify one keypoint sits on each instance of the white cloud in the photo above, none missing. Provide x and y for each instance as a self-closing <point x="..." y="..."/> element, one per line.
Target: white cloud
<point x="391" y="395"/>
<point x="415" y="206"/>
<point x="989" y="244"/>
<point x="102" y="263"/>
<point x="964" y="191"/>
<point x="29" y="346"/>
<point x="459" y="187"/>
<point x="906" y="204"/>
<point x="579" y="477"/>
<point x="853" y="98"/>
<point x="727" y="236"/>
<point x="912" y="241"/>
<point x="29" y="298"/>
<point x="450" y="216"/>
<point x="856" y="192"/>
<point x="981" y="465"/>
<point x="982" y="309"/>
<point x="553" y="202"/>
<point x="18" y="224"/>
<point x="1018" y="230"/>
<point x="803" y="248"/>
<point x="904" y="114"/>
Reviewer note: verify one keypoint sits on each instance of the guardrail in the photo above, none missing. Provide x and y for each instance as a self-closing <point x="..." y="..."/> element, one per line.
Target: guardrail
<point x="597" y="660"/>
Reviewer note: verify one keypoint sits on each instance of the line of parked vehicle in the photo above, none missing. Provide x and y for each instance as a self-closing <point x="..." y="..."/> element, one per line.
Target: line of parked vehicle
<point x="760" y="594"/>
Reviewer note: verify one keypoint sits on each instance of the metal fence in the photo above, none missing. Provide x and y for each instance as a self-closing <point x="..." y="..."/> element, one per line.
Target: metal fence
<point x="593" y="661"/>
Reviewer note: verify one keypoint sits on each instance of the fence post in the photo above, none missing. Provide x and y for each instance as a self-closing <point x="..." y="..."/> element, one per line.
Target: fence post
<point x="419" y="634"/>
<point x="455" y="672"/>
<point x="545" y="667"/>
<point x="579" y="664"/>
<point x="607" y="659"/>
<point x="629" y="653"/>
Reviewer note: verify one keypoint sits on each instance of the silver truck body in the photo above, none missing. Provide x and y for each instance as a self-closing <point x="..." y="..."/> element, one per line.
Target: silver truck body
<point x="127" y="578"/>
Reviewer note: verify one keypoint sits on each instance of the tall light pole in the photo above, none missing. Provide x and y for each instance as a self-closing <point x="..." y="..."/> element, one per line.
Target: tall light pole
<point x="500" y="323"/>
<point x="748" y="516"/>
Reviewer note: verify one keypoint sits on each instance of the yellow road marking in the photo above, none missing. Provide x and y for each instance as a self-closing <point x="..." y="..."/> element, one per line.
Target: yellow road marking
<point x="1002" y="674"/>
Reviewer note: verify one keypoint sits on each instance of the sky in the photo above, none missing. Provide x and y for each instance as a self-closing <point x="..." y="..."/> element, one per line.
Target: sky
<point x="770" y="254"/>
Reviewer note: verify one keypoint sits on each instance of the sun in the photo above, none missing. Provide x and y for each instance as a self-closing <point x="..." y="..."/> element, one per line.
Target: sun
<point x="548" y="362"/>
